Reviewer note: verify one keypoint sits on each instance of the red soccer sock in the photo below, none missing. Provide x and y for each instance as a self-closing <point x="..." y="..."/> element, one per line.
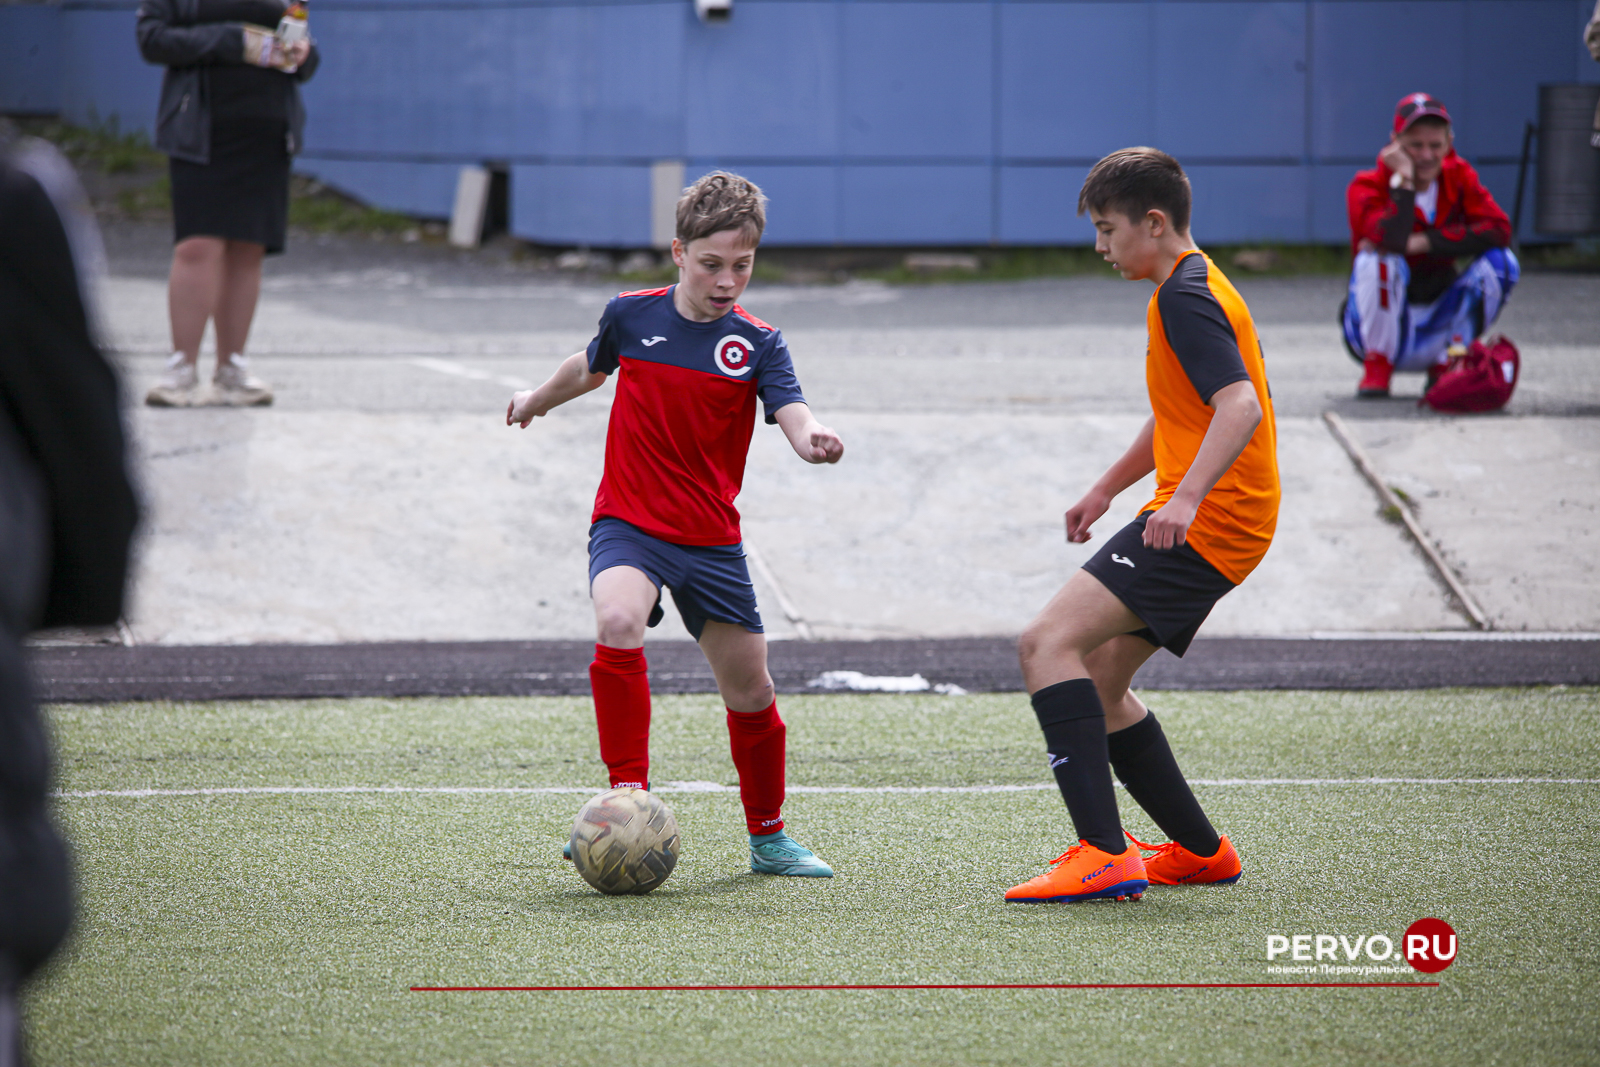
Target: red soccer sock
<point x="622" y="712"/>
<point x="759" y="751"/>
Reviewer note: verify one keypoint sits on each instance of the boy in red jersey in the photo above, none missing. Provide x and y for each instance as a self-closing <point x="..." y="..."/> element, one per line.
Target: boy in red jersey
<point x="690" y="366"/>
<point x="1212" y="444"/>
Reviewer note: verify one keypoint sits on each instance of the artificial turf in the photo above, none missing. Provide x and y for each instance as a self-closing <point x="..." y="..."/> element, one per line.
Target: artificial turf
<point x="271" y="928"/>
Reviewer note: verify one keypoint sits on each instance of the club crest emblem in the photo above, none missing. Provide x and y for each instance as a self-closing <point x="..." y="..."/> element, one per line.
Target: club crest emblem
<point x="733" y="356"/>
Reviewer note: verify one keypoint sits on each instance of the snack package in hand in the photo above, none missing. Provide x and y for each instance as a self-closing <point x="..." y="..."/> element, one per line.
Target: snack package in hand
<point x="292" y="28"/>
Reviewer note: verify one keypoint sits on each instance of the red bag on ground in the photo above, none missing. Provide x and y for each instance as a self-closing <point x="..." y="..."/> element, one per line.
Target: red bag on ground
<point x="1481" y="380"/>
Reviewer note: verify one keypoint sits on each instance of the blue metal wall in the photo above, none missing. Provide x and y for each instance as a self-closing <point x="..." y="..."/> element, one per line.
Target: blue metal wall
<point x="880" y="121"/>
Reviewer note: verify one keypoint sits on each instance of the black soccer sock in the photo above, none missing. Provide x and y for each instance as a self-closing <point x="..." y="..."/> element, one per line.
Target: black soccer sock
<point x="1144" y="762"/>
<point x="1074" y="726"/>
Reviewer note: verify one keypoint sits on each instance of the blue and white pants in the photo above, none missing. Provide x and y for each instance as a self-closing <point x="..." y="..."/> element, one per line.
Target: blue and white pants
<point x="1417" y="336"/>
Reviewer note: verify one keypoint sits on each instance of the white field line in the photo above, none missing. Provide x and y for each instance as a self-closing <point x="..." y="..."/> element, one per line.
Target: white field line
<point x="462" y="370"/>
<point x="717" y="787"/>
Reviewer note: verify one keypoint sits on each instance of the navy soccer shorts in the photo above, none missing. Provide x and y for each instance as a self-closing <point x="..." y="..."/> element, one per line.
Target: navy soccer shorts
<point x="707" y="581"/>
<point x="1171" y="590"/>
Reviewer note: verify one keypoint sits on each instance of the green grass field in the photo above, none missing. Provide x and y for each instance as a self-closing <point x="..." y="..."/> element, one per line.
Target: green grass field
<point x="247" y="928"/>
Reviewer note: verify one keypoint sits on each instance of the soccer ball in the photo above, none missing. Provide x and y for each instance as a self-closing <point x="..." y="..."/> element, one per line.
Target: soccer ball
<point x="625" y="841"/>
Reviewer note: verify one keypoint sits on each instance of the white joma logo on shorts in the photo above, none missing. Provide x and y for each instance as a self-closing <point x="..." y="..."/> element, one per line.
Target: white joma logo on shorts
<point x="1124" y="560"/>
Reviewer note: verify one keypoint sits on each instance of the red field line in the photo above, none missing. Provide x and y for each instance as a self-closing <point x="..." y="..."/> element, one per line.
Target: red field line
<point x="986" y="985"/>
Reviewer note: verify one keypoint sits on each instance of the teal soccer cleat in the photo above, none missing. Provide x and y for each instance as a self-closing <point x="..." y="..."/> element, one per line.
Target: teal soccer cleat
<point x="566" y="850"/>
<point x="778" y="854"/>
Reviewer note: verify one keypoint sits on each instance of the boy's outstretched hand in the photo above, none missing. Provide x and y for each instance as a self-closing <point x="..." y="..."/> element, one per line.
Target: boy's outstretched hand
<point x="522" y="410"/>
<point x="1083" y="514"/>
<point x="824" y="445"/>
<point x="571" y="380"/>
<point x="812" y="441"/>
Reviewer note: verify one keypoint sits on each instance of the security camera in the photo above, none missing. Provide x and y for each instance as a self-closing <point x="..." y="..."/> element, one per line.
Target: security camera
<point x="714" y="10"/>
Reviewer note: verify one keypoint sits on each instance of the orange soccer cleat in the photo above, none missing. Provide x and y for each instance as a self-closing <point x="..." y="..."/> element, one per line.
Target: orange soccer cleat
<point x="1084" y="872"/>
<point x="1173" y="864"/>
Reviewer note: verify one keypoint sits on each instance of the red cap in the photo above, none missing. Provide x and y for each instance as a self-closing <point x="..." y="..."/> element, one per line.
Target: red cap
<point x="1414" y="106"/>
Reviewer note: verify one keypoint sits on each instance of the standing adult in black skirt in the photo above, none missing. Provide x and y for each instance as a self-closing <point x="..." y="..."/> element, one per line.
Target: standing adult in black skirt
<point x="230" y="119"/>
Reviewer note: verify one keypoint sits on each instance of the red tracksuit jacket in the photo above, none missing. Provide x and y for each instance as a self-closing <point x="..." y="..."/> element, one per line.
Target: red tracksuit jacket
<point x="1467" y="223"/>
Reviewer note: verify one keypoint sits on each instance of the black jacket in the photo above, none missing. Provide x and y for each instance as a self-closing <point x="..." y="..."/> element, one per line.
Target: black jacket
<point x="60" y="422"/>
<point x="187" y="36"/>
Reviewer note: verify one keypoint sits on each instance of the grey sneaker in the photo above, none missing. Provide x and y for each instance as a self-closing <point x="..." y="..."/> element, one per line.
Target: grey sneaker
<point x="236" y="387"/>
<point x="176" y="386"/>
<point x="780" y="854"/>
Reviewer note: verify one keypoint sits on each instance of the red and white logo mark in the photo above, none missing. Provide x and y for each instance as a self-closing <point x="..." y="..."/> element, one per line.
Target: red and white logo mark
<point x="1430" y="945"/>
<point x="733" y="355"/>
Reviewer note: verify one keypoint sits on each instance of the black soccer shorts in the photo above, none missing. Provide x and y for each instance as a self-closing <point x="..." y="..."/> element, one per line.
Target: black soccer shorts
<point x="1171" y="590"/>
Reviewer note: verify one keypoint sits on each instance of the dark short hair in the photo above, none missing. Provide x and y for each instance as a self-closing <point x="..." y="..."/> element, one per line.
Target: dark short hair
<point x="722" y="201"/>
<point x="1429" y="122"/>
<point x="1135" y="180"/>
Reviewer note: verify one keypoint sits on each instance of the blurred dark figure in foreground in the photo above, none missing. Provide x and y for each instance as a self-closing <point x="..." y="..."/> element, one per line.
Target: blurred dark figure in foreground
<point x="67" y="513"/>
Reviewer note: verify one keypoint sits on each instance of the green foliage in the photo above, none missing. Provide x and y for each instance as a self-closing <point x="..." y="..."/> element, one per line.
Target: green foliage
<point x="141" y="201"/>
<point x="101" y="147"/>
<point x="315" y="207"/>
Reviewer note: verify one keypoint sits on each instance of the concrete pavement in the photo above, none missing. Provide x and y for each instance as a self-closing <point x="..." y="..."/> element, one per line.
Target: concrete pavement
<point x="382" y="498"/>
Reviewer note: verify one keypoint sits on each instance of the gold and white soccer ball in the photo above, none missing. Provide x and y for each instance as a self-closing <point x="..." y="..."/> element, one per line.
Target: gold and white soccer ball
<point x="625" y="841"/>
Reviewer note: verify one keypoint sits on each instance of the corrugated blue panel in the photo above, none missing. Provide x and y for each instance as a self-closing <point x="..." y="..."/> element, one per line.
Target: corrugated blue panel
<point x="575" y="82"/>
<point x="1501" y="181"/>
<point x="1243" y="203"/>
<point x="102" y="75"/>
<point x="1076" y="80"/>
<point x="1230" y="79"/>
<point x="1366" y="56"/>
<point x="362" y="98"/>
<point x="626" y="64"/>
<point x="427" y="190"/>
<point x="914" y="205"/>
<point x="578" y="204"/>
<point x="764" y="83"/>
<point x="464" y="94"/>
<point x="1039" y="206"/>
<point x="803" y="201"/>
<point x="30" y="59"/>
<point x="918" y="79"/>
<point x="1521" y="41"/>
<point x="1330" y="218"/>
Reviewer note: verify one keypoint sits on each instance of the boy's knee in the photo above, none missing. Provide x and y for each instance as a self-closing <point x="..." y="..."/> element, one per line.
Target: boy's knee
<point x="749" y="694"/>
<point x="618" y="626"/>
<point x="1033" y="644"/>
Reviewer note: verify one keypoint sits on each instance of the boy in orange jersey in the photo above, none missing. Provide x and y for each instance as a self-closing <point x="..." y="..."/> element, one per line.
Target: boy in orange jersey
<point x="1212" y="444"/>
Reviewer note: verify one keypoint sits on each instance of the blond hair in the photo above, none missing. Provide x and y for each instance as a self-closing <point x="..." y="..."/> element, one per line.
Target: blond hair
<point x="722" y="201"/>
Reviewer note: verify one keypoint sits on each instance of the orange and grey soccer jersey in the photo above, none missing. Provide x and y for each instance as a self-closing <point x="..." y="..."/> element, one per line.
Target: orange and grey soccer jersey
<point x="1202" y="339"/>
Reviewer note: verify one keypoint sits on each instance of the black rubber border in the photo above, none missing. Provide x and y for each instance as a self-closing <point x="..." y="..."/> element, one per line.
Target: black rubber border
<point x="98" y="673"/>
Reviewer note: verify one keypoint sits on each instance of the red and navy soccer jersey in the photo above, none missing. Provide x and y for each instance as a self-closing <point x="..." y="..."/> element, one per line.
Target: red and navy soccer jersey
<point x="684" y="412"/>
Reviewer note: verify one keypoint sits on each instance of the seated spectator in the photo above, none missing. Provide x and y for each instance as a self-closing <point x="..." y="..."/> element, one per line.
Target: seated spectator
<point x="1411" y="218"/>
